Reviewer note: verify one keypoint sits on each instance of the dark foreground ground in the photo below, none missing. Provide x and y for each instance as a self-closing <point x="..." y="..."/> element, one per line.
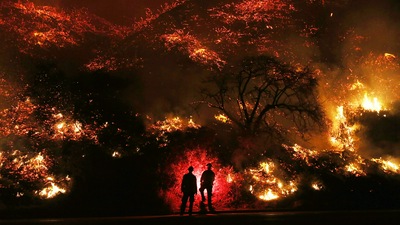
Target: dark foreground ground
<point x="387" y="217"/>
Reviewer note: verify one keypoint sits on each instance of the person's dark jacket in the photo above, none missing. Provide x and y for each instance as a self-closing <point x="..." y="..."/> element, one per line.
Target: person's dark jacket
<point x="189" y="184"/>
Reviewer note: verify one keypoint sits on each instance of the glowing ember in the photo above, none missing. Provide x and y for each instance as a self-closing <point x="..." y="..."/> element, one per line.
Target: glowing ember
<point x="252" y="11"/>
<point x="266" y="185"/>
<point x="28" y="165"/>
<point x="389" y="56"/>
<point x="355" y="169"/>
<point x="357" y="85"/>
<point x="116" y="154"/>
<point x="33" y="169"/>
<point x="192" y="124"/>
<point x="317" y="186"/>
<point x="66" y="128"/>
<point x="222" y="118"/>
<point x="193" y="47"/>
<point x="47" y="26"/>
<point x="387" y="166"/>
<point x="268" y="195"/>
<point x="102" y="63"/>
<point x="162" y="127"/>
<point x="151" y="16"/>
<point x="229" y="178"/>
<point x="173" y="124"/>
<point x="51" y="190"/>
<point x="303" y="153"/>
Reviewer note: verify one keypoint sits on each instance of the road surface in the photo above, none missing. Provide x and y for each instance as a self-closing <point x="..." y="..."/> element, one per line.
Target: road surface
<point x="388" y="217"/>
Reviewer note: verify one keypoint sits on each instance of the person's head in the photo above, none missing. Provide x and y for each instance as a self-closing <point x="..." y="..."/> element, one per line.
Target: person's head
<point x="190" y="168"/>
<point x="209" y="165"/>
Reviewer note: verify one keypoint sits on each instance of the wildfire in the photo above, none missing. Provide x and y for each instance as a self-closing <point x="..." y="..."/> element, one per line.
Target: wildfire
<point x="387" y="166"/>
<point x="342" y="133"/>
<point x="252" y="11"/>
<point x="261" y="20"/>
<point x="32" y="169"/>
<point x="366" y="103"/>
<point x="151" y="16"/>
<point x="38" y="28"/>
<point x="357" y="85"/>
<point x="26" y="159"/>
<point x="317" y="186"/>
<point x="268" y="195"/>
<point x="102" y="63"/>
<point x="389" y="56"/>
<point x="229" y="178"/>
<point x="371" y="105"/>
<point x="173" y="124"/>
<point x="266" y="185"/>
<point x="354" y="169"/>
<point x="52" y="189"/>
<point x="44" y="27"/>
<point x="303" y="153"/>
<point x="222" y="118"/>
<point x="66" y="128"/>
<point x="116" y="154"/>
<point x="38" y="162"/>
<point x="344" y="126"/>
<point x="162" y="127"/>
<point x="63" y="129"/>
<point x="193" y="47"/>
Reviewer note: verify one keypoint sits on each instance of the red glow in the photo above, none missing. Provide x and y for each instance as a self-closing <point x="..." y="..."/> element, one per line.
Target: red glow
<point x="225" y="179"/>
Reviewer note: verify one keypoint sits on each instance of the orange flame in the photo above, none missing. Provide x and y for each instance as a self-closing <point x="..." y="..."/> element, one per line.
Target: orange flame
<point x="371" y="105"/>
<point x="387" y="165"/>
<point x="266" y="185"/>
<point x="222" y="118"/>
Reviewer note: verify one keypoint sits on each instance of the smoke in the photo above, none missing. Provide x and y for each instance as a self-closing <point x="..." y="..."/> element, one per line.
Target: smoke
<point x="350" y="46"/>
<point x="380" y="133"/>
<point x="167" y="88"/>
<point x="359" y="57"/>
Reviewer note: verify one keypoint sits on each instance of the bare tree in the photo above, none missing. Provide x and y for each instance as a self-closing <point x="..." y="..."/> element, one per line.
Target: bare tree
<point x="264" y="95"/>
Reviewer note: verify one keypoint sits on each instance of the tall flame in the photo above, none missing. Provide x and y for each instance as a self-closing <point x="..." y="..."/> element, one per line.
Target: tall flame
<point x="371" y="105"/>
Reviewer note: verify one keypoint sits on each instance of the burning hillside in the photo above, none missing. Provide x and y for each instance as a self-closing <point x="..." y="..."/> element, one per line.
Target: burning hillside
<point x="292" y="101"/>
<point x="46" y="26"/>
<point x="27" y="158"/>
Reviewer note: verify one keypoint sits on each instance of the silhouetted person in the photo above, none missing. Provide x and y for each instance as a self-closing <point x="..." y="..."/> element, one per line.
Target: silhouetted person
<point x="189" y="189"/>
<point x="206" y="183"/>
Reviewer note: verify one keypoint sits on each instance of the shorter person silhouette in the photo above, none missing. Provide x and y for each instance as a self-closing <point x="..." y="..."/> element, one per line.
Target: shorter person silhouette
<point x="206" y="183"/>
<point x="189" y="189"/>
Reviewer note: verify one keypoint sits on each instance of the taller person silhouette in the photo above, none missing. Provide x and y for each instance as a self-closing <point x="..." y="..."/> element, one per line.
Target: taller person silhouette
<point x="189" y="189"/>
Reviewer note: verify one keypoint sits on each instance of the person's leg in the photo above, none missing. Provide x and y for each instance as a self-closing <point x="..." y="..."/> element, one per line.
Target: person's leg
<point x="203" y="198"/>
<point x="191" y="200"/>
<point x="183" y="205"/>
<point x="209" y="198"/>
